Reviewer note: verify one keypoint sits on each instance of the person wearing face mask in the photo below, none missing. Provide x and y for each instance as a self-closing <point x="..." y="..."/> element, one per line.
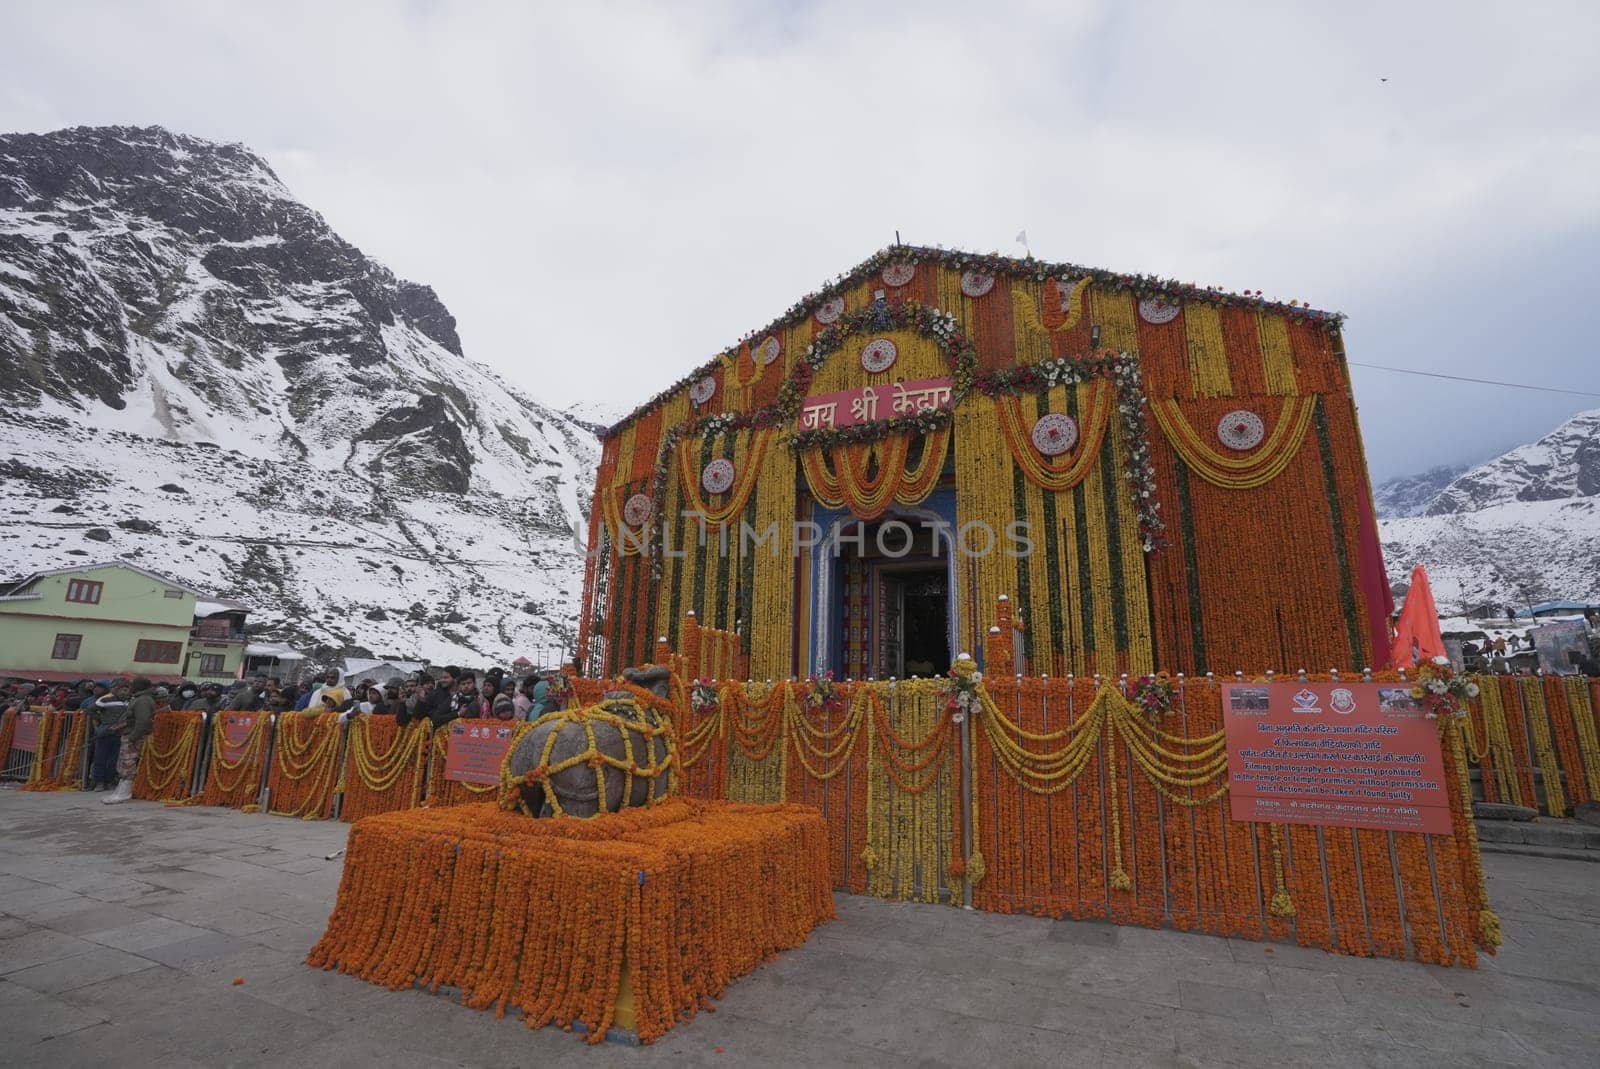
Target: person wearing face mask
<point x="186" y="696"/>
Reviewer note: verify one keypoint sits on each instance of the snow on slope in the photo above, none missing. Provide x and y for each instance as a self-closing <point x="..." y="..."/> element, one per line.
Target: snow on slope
<point x="1525" y="527"/>
<point x="171" y="316"/>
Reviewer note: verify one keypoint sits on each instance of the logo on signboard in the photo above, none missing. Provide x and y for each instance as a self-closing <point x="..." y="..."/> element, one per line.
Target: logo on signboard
<point x="1305" y="701"/>
<point x="1343" y="702"/>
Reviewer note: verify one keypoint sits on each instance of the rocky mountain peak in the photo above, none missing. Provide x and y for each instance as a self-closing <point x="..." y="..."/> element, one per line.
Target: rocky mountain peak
<point x="1563" y="464"/>
<point x="167" y="306"/>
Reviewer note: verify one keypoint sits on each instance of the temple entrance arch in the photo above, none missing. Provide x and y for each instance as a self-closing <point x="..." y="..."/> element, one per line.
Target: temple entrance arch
<point x="884" y="593"/>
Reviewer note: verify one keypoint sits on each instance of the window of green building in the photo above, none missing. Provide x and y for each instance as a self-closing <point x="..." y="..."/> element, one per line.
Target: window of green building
<point x="66" y="648"/>
<point x="84" y="591"/>
<point x="211" y="664"/>
<point x="150" y="651"/>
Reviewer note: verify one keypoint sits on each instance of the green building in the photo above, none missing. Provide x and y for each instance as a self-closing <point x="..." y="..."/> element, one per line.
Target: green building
<point x="116" y="618"/>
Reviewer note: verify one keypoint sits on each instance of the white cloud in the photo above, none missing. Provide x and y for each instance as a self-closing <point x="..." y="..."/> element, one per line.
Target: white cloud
<point x="605" y="194"/>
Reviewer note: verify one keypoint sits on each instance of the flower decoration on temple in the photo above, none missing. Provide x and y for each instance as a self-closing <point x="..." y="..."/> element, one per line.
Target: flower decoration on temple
<point x="824" y="695"/>
<point x="717" y="476"/>
<point x="827" y="303"/>
<point x="703" y="696"/>
<point x="899" y="273"/>
<point x="879" y="355"/>
<point x="1442" y="692"/>
<point x="976" y="283"/>
<point x="963" y="688"/>
<point x="1123" y="368"/>
<point x="1240" y="430"/>
<point x="1157" y="310"/>
<point x="1152" y="695"/>
<point x="704" y="390"/>
<point x="767" y="351"/>
<point x="638" y="510"/>
<point x="1054" y="433"/>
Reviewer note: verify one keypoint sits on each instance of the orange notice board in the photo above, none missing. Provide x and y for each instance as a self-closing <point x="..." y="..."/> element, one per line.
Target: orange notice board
<point x="1353" y="755"/>
<point x="475" y="750"/>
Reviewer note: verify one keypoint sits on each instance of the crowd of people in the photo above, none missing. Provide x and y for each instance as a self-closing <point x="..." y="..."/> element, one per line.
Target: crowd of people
<point x="122" y="712"/>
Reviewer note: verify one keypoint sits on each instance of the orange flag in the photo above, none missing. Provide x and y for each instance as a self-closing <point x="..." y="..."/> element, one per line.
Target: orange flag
<point x="1417" y="636"/>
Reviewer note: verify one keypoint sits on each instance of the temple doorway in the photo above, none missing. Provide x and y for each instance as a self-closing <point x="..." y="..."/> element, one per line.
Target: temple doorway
<point x="893" y="603"/>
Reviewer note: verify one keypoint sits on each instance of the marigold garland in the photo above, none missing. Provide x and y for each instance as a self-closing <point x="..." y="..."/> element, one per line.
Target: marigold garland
<point x="385" y="764"/>
<point x="547" y="916"/>
<point x="57" y="764"/>
<point x="166" y="766"/>
<point x="305" y="766"/>
<point x="236" y="782"/>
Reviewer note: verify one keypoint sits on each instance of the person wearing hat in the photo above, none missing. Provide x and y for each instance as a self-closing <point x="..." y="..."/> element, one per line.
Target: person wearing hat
<point x="504" y="709"/>
<point x="134" y="727"/>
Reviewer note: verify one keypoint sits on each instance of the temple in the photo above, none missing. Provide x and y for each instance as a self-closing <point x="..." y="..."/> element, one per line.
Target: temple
<point x="1151" y="475"/>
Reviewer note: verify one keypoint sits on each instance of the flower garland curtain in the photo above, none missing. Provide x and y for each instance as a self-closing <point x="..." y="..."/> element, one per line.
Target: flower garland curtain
<point x="1084" y="807"/>
<point x="1246" y="471"/>
<point x="166" y="766"/>
<point x="385" y="765"/>
<point x="1078" y="590"/>
<point x="1288" y="596"/>
<point x="749" y="449"/>
<point x="305" y="766"/>
<point x="869" y="477"/>
<point x="1019" y="412"/>
<point x="236" y="781"/>
<point x="706" y="562"/>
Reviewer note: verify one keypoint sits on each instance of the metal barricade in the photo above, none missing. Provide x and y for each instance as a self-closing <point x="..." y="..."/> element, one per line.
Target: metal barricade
<point x="19" y="758"/>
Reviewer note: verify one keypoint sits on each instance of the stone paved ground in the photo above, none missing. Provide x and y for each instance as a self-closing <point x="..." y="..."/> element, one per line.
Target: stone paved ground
<point x="124" y="927"/>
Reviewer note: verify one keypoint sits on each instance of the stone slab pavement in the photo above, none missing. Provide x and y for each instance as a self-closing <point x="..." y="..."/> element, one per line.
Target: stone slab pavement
<point x="122" y="929"/>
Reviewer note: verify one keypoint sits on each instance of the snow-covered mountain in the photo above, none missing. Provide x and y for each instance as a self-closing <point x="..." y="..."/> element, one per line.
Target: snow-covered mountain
<point x="1410" y="495"/>
<point x="1524" y="527"/>
<point x="198" y="374"/>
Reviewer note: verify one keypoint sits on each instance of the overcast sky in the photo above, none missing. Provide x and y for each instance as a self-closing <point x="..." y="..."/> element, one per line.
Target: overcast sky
<point x="607" y="194"/>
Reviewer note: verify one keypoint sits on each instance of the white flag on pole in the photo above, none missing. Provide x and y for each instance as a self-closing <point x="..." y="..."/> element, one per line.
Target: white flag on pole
<point x="1022" y="238"/>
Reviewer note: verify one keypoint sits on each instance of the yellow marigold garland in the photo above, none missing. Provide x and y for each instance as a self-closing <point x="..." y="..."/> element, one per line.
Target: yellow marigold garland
<point x="170" y="751"/>
<point x="237" y="782"/>
<point x="305" y="766"/>
<point x="387" y="761"/>
<point x="1237" y="472"/>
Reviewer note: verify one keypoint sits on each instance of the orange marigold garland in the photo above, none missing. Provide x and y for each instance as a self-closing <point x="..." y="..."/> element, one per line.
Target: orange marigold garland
<point x="166" y="766"/>
<point x="305" y="766"/>
<point x="546" y="916"/>
<point x="235" y="781"/>
<point x="385" y="765"/>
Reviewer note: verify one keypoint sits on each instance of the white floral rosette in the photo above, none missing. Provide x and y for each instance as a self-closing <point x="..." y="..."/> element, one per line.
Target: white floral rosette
<point x="1055" y="434"/>
<point x="717" y="478"/>
<point x="1240" y="430"/>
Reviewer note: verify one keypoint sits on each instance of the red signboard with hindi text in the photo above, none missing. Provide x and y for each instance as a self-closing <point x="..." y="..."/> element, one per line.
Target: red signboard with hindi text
<point x="1352" y="755"/>
<point x="25" y="736"/>
<point x="236" y="728"/>
<point x="476" y="749"/>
